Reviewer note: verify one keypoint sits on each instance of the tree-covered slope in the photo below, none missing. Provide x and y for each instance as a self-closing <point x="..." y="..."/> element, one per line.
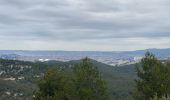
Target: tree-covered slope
<point x="18" y="78"/>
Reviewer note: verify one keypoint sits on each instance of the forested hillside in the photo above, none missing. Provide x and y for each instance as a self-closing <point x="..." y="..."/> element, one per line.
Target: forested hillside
<point x="18" y="78"/>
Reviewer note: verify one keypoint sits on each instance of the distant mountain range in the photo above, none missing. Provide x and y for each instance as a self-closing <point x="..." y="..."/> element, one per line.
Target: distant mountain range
<point x="107" y="57"/>
<point x="158" y="52"/>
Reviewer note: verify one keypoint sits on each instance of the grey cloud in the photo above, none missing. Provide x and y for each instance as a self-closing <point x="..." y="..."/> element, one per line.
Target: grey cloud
<point x="77" y="20"/>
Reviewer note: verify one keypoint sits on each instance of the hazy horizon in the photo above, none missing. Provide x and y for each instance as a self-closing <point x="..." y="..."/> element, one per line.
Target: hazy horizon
<point x="84" y="50"/>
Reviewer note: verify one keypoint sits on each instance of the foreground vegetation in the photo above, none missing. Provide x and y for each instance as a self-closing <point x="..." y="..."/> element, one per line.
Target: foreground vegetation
<point x="84" y="80"/>
<point x="153" y="79"/>
<point x="85" y="84"/>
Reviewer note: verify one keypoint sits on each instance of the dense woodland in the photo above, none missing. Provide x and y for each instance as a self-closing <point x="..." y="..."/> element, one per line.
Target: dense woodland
<point x="84" y="80"/>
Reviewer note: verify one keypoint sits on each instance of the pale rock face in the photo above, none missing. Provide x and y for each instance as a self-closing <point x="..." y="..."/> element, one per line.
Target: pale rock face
<point x="8" y="93"/>
<point x="21" y="78"/>
<point x="10" y="79"/>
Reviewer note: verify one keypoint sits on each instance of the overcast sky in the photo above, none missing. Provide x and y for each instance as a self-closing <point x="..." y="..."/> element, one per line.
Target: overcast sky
<point x="102" y="25"/>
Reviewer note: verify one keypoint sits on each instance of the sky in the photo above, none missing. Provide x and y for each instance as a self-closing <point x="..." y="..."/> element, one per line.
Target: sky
<point x="84" y="25"/>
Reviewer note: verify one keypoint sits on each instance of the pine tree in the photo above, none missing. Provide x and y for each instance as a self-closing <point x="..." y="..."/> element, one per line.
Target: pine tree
<point x="153" y="78"/>
<point x="88" y="82"/>
<point x="53" y="86"/>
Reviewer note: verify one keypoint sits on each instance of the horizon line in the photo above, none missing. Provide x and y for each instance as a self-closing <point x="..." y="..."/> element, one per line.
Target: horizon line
<point x="82" y="50"/>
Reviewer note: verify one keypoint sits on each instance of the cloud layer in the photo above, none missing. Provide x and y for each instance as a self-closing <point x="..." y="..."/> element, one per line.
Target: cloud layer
<point x="84" y="24"/>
